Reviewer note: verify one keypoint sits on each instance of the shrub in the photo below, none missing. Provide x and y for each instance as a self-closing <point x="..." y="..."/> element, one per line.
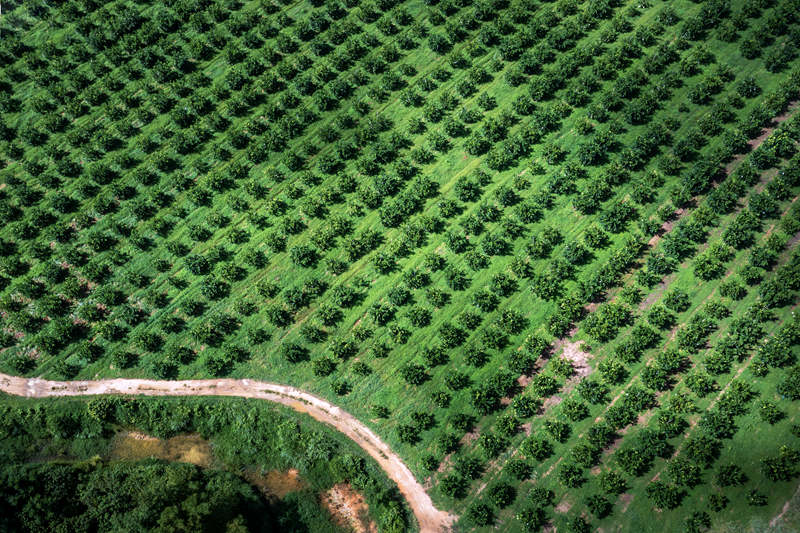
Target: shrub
<point x="532" y="518"/>
<point x="537" y="448"/>
<point x="480" y="514"/>
<point x="519" y="469"/>
<point x="782" y="467"/>
<point x="501" y="495"/>
<point x="769" y="412"/>
<point x="454" y="486"/>
<point x="598" y="505"/>
<point x="604" y="323"/>
<point x="612" y="482"/>
<point x="571" y="476"/>
<point x="664" y="496"/>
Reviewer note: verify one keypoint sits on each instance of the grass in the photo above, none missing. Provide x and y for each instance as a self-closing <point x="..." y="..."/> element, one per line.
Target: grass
<point x="383" y="386"/>
<point x="637" y="514"/>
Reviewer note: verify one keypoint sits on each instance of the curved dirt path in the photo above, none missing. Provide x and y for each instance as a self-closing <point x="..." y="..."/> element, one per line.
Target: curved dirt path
<point x="429" y="518"/>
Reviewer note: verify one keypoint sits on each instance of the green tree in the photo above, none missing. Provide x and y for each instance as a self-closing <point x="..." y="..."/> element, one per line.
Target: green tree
<point x="663" y="495"/>
<point x="571" y="476"/>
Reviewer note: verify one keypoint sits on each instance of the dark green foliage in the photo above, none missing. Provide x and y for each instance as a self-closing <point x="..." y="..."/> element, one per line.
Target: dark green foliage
<point x="698" y="521"/>
<point x="598" y="505"/>
<point x="730" y="475"/>
<point x="717" y="502"/>
<point x="518" y="469"/>
<point x="782" y="467"/>
<point x="700" y="383"/>
<point x="501" y="494"/>
<point x="537" y="448"/>
<point x="677" y="300"/>
<point x="579" y="525"/>
<point x="492" y="444"/>
<point x="73" y="493"/>
<point x="485" y="396"/>
<point x="571" y="476"/>
<point x="480" y="514"/>
<point x="467" y="466"/>
<point x="683" y="472"/>
<point x="592" y="391"/>
<point x="276" y="174"/>
<point x="756" y="498"/>
<point x="532" y="518"/>
<point x="612" y="482"/>
<point x="453" y="485"/>
<point x="664" y="496"/>
<point x="557" y="429"/>
<point x="414" y="374"/>
<point x="606" y="321"/>
<point x="294" y="352"/>
<point x="574" y="410"/>
<point x="525" y="406"/>
<point x="153" y="494"/>
<point x="769" y="412"/>
<point x="323" y="366"/>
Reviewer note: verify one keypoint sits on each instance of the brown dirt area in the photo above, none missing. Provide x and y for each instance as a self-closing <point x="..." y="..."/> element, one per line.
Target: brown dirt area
<point x="626" y="500"/>
<point x="133" y="445"/>
<point x="276" y="483"/>
<point x="563" y="506"/>
<point x="579" y="358"/>
<point x="348" y="508"/>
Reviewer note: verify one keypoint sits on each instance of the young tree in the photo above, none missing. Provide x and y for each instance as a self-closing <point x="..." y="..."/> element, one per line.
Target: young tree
<point x="414" y="374"/>
<point x="598" y="505"/>
<point x="612" y="482"/>
<point x="454" y="486"/>
<point x="532" y="518"/>
<point x="501" y="494"/>
<point x="480" y="514"/>
<point x="664" y="496"/>
<point x="730" y="475"/>
<point x="571" y="476"/>
<point x="783" y="467"/>
<point x="294" y="352"/>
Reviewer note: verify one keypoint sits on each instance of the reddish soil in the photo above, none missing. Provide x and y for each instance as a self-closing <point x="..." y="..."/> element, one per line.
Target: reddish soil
<point x="348" y="508"/>
<point x="626" y="500"/>
<point x="563" y="507"/>
<point x="579" y="358"/>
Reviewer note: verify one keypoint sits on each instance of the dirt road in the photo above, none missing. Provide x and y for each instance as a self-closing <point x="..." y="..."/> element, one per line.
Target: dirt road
<point x="430" y="519"/>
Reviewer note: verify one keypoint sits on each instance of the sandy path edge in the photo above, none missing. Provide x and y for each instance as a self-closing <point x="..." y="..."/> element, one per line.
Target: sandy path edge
<point x="429" y="518"/>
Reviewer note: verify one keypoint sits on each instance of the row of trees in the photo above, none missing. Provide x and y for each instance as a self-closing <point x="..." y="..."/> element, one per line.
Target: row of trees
<point x="666" y="495"/>
<point x="496" y="128"/>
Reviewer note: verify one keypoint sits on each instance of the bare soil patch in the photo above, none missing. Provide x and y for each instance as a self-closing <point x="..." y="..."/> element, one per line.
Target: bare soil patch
<point x="792" y="504"/>
<point x="579" y="358"/>
<point x="626" y="500"/>
<point x="134" y="445"/>
<point x="348" y="508"/>
<point x="276" y="483"/>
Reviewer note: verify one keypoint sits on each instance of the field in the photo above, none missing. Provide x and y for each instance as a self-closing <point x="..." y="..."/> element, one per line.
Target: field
<point x="545" y="250"/>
